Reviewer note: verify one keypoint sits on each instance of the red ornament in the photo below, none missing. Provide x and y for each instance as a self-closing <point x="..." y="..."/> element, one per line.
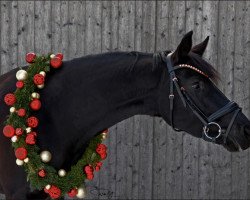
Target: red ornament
<point x="31" y="138"/>
<point x="32" y="122"/>
<point x="19" y="84"/>
<point x="105" y="131"/>
<point x="88" y="169"/>
<point x="38" y="79"/>
<point x="59" y="55"/>
<point x="30" y="57"/>
<point x="103" y="155"/>
<point x="19" y="131"/>
<point x="21" y="112"/>
<point x="42" y="173"/>
<point x="10" y="99"/>
<point x="72" y="193"/>
<point x="101" y="148"/>
<point x="21" y="153"/>
<point x="35" y="104"/>
<point x="54" y="192"/>
<point x="8" y="131"/>
<point x="56" y="62"/>
<point x="90" y="176"/>
<point x="98" y="166"/>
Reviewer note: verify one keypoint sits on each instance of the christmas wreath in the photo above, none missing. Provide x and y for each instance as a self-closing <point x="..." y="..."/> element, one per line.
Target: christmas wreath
<point x="21" y="127"/>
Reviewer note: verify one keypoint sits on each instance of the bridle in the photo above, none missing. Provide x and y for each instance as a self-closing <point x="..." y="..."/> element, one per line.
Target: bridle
<point x="207" y="122"/>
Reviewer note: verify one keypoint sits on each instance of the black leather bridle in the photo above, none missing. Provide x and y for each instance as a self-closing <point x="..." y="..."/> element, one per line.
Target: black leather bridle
<point x="207" y="122"/>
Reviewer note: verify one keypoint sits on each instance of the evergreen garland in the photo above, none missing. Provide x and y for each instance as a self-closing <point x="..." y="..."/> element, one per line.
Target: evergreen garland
<point x="52" y="183"/>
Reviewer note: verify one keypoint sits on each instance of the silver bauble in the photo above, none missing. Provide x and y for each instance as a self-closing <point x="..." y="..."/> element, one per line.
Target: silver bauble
<point x="19" y="162"/>
<point x="42" y="73"/>
<point x="81" y="193"/>
<point x="26" y="160"/>
<point x="45" y="156"/>
<point x="21" y="75"/>
<point x="40" y="86"/>
<point x="35" y="95"/>
<point x="14" y="138"/>
<point x="12" y="109"/>
<point x="61" y="172"/>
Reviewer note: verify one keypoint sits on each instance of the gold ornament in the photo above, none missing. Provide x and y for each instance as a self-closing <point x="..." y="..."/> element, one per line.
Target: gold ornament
<point x="12" y="109"/>
<point x="21" y="75"/>
<point x="52" y="56"/>
<point x="42" y="73"/>
<point x="35" y="95"/>
<point x="19" y="162"/>
<point x="45" y="156"/>
<point x="28" y="129"/>
<point x="81" y="193"/>
<point x="47" y="187"/>
<point x="14" y="138"/>
<point x="26" y="160"/>
<point x="61" y="172"/>
<point x="40" y="86"/>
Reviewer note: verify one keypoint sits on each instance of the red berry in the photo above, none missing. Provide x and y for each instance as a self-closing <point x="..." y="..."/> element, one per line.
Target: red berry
<point x="19" y="84"/>
<point x="30" y="57"/>
<point x="32" y="122"/>
<point x="59" y="55"/>
<point x="8" y="131"/>
<point x="19" y="131"/>
<point x="56" y="62"/>
<point x="38" y="79"/>
<point x="21" y="112"/>
<point x="10" y="99"/>
<point x="72" y="193"/>
<point x="35" y="104"/>
<point x="42" y="173"/>
<point x="30" y="139"/>
<point x="21" y="153"/>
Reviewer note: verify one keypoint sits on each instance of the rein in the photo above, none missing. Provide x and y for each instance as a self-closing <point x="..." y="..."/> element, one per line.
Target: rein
<point x="207" y="121"/>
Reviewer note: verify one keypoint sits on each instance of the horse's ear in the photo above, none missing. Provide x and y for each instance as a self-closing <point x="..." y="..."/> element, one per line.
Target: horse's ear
<point x="184" y="47"/>
<point x="200" y="48"/>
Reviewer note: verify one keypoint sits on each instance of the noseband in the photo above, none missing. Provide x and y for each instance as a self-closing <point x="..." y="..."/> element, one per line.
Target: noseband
<point x="208" y="122"/>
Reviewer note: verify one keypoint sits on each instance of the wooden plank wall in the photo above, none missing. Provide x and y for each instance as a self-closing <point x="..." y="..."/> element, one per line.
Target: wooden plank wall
<point x="146" y="158"/>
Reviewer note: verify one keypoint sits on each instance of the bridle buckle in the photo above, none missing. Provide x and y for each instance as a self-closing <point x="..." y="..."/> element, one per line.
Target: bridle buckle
<point x="206" y="130"/>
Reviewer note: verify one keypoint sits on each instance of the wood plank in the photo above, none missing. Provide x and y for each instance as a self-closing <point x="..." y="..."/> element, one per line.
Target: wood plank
<point x="64" y="34"/>
<point x="190" y="143"/>
<point x="160" y="126"/>
<point x="56" y="27"/>
<point x="241" y="96"/>
<point x="174" y="152"/>
<point x="208" y="151"/>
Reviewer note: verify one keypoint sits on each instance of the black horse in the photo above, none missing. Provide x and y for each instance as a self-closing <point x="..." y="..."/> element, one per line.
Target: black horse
<point x="92" y="93"/>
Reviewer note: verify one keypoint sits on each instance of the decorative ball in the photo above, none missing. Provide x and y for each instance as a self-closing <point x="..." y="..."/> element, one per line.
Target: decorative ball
<point x="52" y="56"/>
<point x="81" y="193"/>
<point x="30" y="57"/>
<point x="42" y="173"/>
<point x="19" y="84"/>
<point x="19" y="131"/>
<point x="14" y="138"/>
<point x="35" y="104"/>
<point x="35" y="95"/>
<point x="26" y="160"/>
<point x="21" y="153"/>
<point x="8" y="131"/>
<point x="60" y="55"/>
<point x="31" y="138"/>
<point x="105" y="131"/>
<point x="72" y="193"/>
<point x="54" y="192"/>
<point x="47" y="187"/>
<point x="19" y="162"/>
<point x="10" y="99"/>
<point x="12" y="109"/>
<point x="32" y="122"/>
<point x="45" y="156"/>
<point x="21" y="112"/>
<point x="42" y="73"/>
<point x="28" y="129"/>
<point x="40" y="86"/>
<point x="56" y="62"/>
<point x="104" y="136"/>
<point x="61" y="172"/>
<point x="98" y="166"/>
<point x="21" y="75"/>
<point x="38" y="79"/>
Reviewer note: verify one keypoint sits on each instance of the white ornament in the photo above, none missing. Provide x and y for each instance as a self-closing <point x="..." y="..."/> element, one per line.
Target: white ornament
<point x="26" y="160"/>
<point x="47" y="187"/>
<point x="21" y="75"/>
<point x="12" y="109"/>
<point x="35" y="95"/>
<point x="19" y="162"/>
<point x="104" y="136"/>
<point x="40" y="86"/>
<point x="14" y="138"/>
<point x="52" y="55"/>
<point x="45" y="156"/>
<point x="81" y="193"/>
<point x="28" y="129"/>
<point x="42" y="73"/>
<point x="61" y="172"/>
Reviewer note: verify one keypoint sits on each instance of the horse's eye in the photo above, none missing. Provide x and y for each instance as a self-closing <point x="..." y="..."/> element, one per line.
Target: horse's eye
<point x="196" y="85"/>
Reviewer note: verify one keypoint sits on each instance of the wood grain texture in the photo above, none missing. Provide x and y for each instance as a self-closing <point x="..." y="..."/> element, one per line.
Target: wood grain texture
<point x="146" y="159"/>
